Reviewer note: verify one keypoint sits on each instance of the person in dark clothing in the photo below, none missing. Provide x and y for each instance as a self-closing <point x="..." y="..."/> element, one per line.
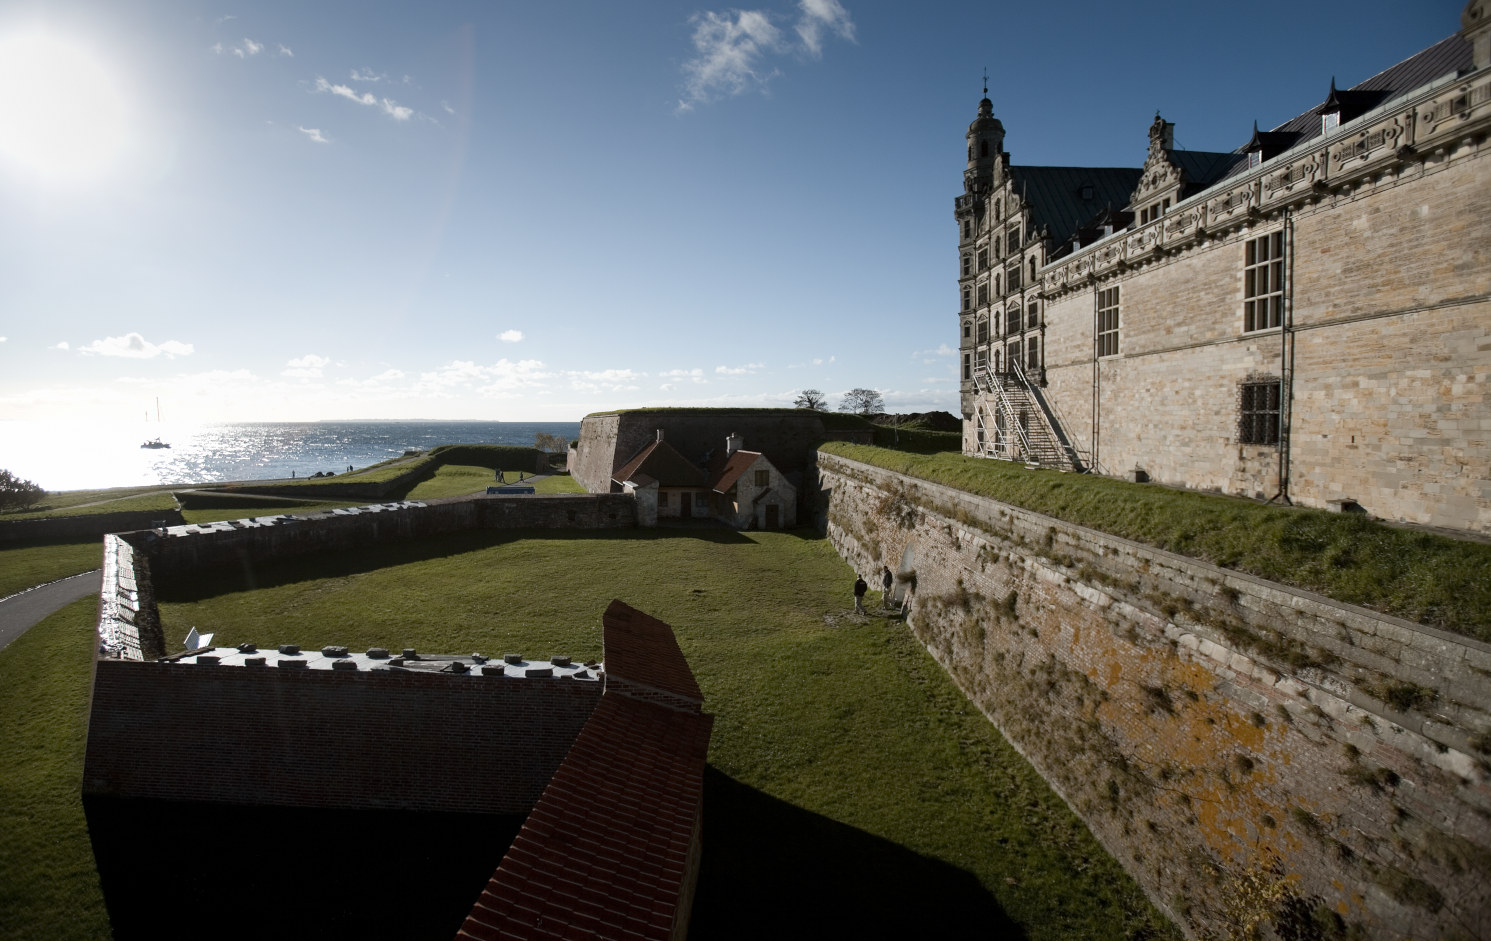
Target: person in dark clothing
<point x="859" y="595"/>
<point x="886" y="581"/>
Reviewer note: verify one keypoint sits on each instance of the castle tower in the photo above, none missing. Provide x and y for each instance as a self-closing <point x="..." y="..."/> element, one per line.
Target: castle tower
<point x="985" y="143"/>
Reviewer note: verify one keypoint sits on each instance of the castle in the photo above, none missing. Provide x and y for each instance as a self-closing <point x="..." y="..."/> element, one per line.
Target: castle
<point x="1303" y="319"/>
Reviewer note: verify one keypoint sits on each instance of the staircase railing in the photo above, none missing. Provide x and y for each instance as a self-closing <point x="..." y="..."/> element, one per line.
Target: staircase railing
<point x="1079" y="459"/>
<point x="987" y="381"/>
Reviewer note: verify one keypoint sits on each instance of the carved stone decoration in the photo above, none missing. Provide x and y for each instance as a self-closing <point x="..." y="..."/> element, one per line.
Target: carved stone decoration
<point x="1455" y="106"/>
<point x="1378" y="141"/>
<point x="1299" y="175"/>
<point x="1230" y="203"/>
<point x="1178" y="224"/>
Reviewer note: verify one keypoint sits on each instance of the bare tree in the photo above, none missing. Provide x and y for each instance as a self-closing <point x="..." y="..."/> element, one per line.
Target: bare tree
<point x="550" y="443"/>
<point x="864" y="402"/>
<point x="811" y="399"/>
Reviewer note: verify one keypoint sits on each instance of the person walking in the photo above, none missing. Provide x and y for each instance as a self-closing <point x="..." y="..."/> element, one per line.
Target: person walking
<point x="886" y="581"/>
<point x="859" y="595"/>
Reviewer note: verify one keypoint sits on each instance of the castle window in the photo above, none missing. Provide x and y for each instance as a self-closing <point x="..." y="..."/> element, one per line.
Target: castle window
<point x="1258" y="412"/>
<point x="967" y="265"/>
<point x="1032" y="269"/>
<point x="983" y="331"/>
<point x="1014" y="240"/>
<point x="1263" y="282"/>
<point x="983" y="259"/>
<point x="1033" y="316"/>
<point x="1012" y="355"/>
<point x="1014" y="278"/>
<point x="763" y="478"/>
<point x="967" y="298"/>
<point x="1330" y="121"/>
<point x="967" y="329"/>
<point x="1108" y="322"/>
<point x="983" y="295"/>
<point x="981" y="359"/>
<point x="1032" y="354"/>
<point x="1087" y="191"/>
<point x="1012" y="319"/>
<point x="983" y="148"/>
<point x="967" y="229"/>
<point x="997" y="291"/>
<point x="967" y="367"/>
<point x="998" y="210"/>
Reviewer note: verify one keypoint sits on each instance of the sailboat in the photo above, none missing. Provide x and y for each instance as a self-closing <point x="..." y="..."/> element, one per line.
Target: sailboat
<point x="155" y="443"/>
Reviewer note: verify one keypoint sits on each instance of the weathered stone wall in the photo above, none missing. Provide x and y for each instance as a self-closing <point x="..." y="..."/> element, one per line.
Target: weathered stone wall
<point x="465" y="743"/>
<point x="65" y="528"/>
<point x="1239" y="745"/>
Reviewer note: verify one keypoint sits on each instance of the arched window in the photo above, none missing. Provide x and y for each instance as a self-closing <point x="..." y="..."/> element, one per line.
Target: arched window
<point x="997" y="291"/>
<point x="983" y="148"/>
<point x="998" y="210"/>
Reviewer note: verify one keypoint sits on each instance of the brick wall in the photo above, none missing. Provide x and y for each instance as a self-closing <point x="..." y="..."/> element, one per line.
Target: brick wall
<point x="465" y="743"/>
<point x="1215" y="731"/>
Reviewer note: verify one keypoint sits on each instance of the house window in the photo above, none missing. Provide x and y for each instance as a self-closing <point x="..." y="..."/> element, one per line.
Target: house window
<point x="968" y="298"/>
<point x="763" y="478"/>
<point x="967" y="265"/>
<point x="1258" y="414"/>
<point x="1012" y="319"/>
<point x="1263" y="282"/>
<point x="1329" y="122"/>
<point x="662" y="498"/>
<point x="1108" y="322"/>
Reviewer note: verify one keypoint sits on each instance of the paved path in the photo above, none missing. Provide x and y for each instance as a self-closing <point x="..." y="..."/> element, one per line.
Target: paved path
<point x="19" y="612"/>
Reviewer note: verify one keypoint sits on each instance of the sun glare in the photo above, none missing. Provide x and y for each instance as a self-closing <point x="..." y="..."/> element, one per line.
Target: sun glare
<point x="62" y="116"/>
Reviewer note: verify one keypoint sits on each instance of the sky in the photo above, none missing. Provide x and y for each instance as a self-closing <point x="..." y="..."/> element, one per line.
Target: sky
<point x="530" y="211"/>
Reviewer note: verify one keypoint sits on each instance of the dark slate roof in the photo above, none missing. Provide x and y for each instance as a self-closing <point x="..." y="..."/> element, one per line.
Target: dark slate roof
<point x="1204" y="167"/>
<point x="1449" y="56"/>
<point x="663" y="463"/>
<point x="1054" y="194"/>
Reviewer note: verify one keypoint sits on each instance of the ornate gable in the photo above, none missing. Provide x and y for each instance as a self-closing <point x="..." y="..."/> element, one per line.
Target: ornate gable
<point x="1161" y="179"/>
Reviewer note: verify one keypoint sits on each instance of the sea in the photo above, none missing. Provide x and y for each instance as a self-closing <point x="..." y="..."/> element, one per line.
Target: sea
<point x="73" y="456"/>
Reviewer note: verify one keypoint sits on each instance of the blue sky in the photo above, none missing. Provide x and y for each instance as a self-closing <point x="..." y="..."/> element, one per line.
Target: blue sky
<point x="532" y="211"/>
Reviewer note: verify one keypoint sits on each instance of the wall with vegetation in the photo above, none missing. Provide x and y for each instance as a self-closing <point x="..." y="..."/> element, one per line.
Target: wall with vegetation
<point x="1253" y="753"/>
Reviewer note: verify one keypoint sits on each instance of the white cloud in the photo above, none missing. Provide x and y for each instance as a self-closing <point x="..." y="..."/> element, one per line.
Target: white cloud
<point x="390" y="107"/>
<point x="314" y="133"/>
<point x="248" y="48"/>
<point x="395" y="110"/>
<point x="216" y="47"/>
<point x="366" y="75"/>
<point x="817" y="16"/>
<point x="510" y="336"/>
<point x="308" y="366"/>
<point x="134" y="346"/>
<point x="605" y="380"/>
<point x="62" y="345"/>
<point x="745" y="370"/>
<point x="692" y="375"/>
<point x="3" y="339"/>
<point x="448" y="109"/>
<point x="930" y="356"/>
<point x="733" y="49"/>
<point x="461" y="376"/>
<point x="285" y="51"/>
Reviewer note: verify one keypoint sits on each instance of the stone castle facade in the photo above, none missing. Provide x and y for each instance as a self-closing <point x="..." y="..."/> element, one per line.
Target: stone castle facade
<point x="1306" y="318"/>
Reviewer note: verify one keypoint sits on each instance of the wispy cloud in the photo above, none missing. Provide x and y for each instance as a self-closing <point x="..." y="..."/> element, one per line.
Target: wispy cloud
<point x="247" y="48"/>
<point x="605" y="380"/>
<point x="510" y="336"/>
<point x="931" y="356"/>
<point x="691" y="375"/>
<point x="461" y="376"/>
<point x="387" y="105"/>
<point x="745" y="370"/>
<point x="734" y="50"/>
<point x="308" y="366"/>
<point x="284" y="51"/>
<point x="366" y="75"/>
<point x="62" y="345"/>
<point x="448" y="109"/>
<point x="314" y="133"/>
<point x="134" y="346"/>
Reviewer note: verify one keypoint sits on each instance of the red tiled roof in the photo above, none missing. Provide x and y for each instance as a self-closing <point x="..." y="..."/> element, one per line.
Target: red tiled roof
<point x="612" y="848"/>
<point x="662" y="461"/>
<point x="723" y="478"/>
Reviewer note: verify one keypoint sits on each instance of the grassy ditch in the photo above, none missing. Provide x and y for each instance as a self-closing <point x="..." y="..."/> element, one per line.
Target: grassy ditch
<point x="48" y="884"/>
<point x="852" y="790"/>
<point x="458" y="480"/>
<point x="1416" y="575"/>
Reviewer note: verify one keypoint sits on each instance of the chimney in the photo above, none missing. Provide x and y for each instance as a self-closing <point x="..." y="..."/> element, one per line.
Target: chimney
<point x="732" y="443"/>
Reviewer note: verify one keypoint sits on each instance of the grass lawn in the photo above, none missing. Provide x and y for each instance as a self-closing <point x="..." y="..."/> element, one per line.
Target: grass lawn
<point x="93" y="502"/>
<point x="459" y="480"/>
<point x="48" y="885"/>
<point x="1413" y="574"/>
<point x="27" y="565"/>
<point x="853" y="790"/>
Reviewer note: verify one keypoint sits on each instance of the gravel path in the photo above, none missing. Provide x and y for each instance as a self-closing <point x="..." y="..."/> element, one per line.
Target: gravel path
<point x="19" y="612"/>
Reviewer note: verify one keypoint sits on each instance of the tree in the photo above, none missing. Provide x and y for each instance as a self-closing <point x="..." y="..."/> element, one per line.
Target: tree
<point x="864" y="402"/>
<point x="550" y="443"/>
<point x="811" y="399"/>
<point x="16" y="493"/>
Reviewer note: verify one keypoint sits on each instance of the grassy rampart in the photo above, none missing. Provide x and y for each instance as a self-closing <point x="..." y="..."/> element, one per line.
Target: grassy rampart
<point x="1417" y="575"/>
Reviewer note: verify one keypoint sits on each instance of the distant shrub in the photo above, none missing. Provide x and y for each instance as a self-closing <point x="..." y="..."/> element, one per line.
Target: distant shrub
<point x="16" y="493"/>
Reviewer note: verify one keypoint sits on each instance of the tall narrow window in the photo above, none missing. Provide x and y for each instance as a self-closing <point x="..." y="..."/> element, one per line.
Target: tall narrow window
<point x="1108" y="322"/>
<point x="967" y="298"/>
<point x="983" y="295"/>
<point x="967" y="265"/>
<point x="983" y="331"/>
<point x="967" y="366"/>
<point x="1032" y="269"/>
<point x="1263" y="282"/>
<point x="1032" y="316"/>
<point x="1014" y="240"/>
<point x="967" y="330"/>
<point x="1012" y="319"/>
<point x="1032" y="355"/>
<point x="1013" y="279"/>
<point x="983" y="259"/>
<point x="1258" y="412"/>
<point x="967" y="229"/>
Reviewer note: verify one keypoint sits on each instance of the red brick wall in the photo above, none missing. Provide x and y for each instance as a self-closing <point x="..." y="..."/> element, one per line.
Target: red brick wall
<point x="320" y="738"/>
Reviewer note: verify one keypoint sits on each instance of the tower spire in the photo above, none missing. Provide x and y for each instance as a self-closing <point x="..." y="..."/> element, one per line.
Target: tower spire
<point x="986" y="81"/>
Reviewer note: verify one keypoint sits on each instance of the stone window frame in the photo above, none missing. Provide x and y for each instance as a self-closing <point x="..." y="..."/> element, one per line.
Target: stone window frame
<point x="1032" y="355"/>
<point x="1109" y="304"/>
<point x="983" y="294"/>
<point x="1032" y="315"/>
<point x="967" y="264"/>
<point x="981" y="330"/>
<point x="1264" y="274"/>
<point x="967" y="366"/>
<point x="1260" y="410"/>
<point x="662" y="498"/>
<point x="1014" y="316"/>
<point x="967" y="297"/>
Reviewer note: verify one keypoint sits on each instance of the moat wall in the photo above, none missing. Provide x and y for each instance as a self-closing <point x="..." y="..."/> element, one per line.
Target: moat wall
<point x="1241" y="746"/>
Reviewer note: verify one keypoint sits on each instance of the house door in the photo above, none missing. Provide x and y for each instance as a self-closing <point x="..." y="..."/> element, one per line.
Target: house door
<point x="773" y="519"/>
<point x="685" y="504"/>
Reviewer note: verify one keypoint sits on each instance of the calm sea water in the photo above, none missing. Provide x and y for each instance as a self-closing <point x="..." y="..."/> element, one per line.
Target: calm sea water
<point x="64" y="456"/>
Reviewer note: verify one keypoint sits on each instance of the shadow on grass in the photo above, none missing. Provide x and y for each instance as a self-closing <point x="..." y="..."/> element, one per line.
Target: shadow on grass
<point x="253" y="575"/>
<point x="772" y="870"/>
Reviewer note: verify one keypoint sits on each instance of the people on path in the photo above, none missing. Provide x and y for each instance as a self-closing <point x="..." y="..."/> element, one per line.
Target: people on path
<point x="859" y="595"/>
<point x="886" y="580"/>
<point x="501" y="478"/>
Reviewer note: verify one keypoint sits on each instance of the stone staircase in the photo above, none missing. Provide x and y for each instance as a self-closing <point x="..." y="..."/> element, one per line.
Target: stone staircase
<point x="1016" y="422"/>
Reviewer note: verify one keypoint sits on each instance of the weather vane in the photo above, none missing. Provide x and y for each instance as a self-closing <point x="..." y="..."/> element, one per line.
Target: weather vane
<point x="986" y="81"/>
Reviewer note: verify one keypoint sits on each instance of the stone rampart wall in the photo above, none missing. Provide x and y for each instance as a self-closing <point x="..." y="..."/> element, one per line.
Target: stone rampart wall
<point x="1239" y="745"/>
<point x="56" y="529"/>
<point x="467" y="743"/>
